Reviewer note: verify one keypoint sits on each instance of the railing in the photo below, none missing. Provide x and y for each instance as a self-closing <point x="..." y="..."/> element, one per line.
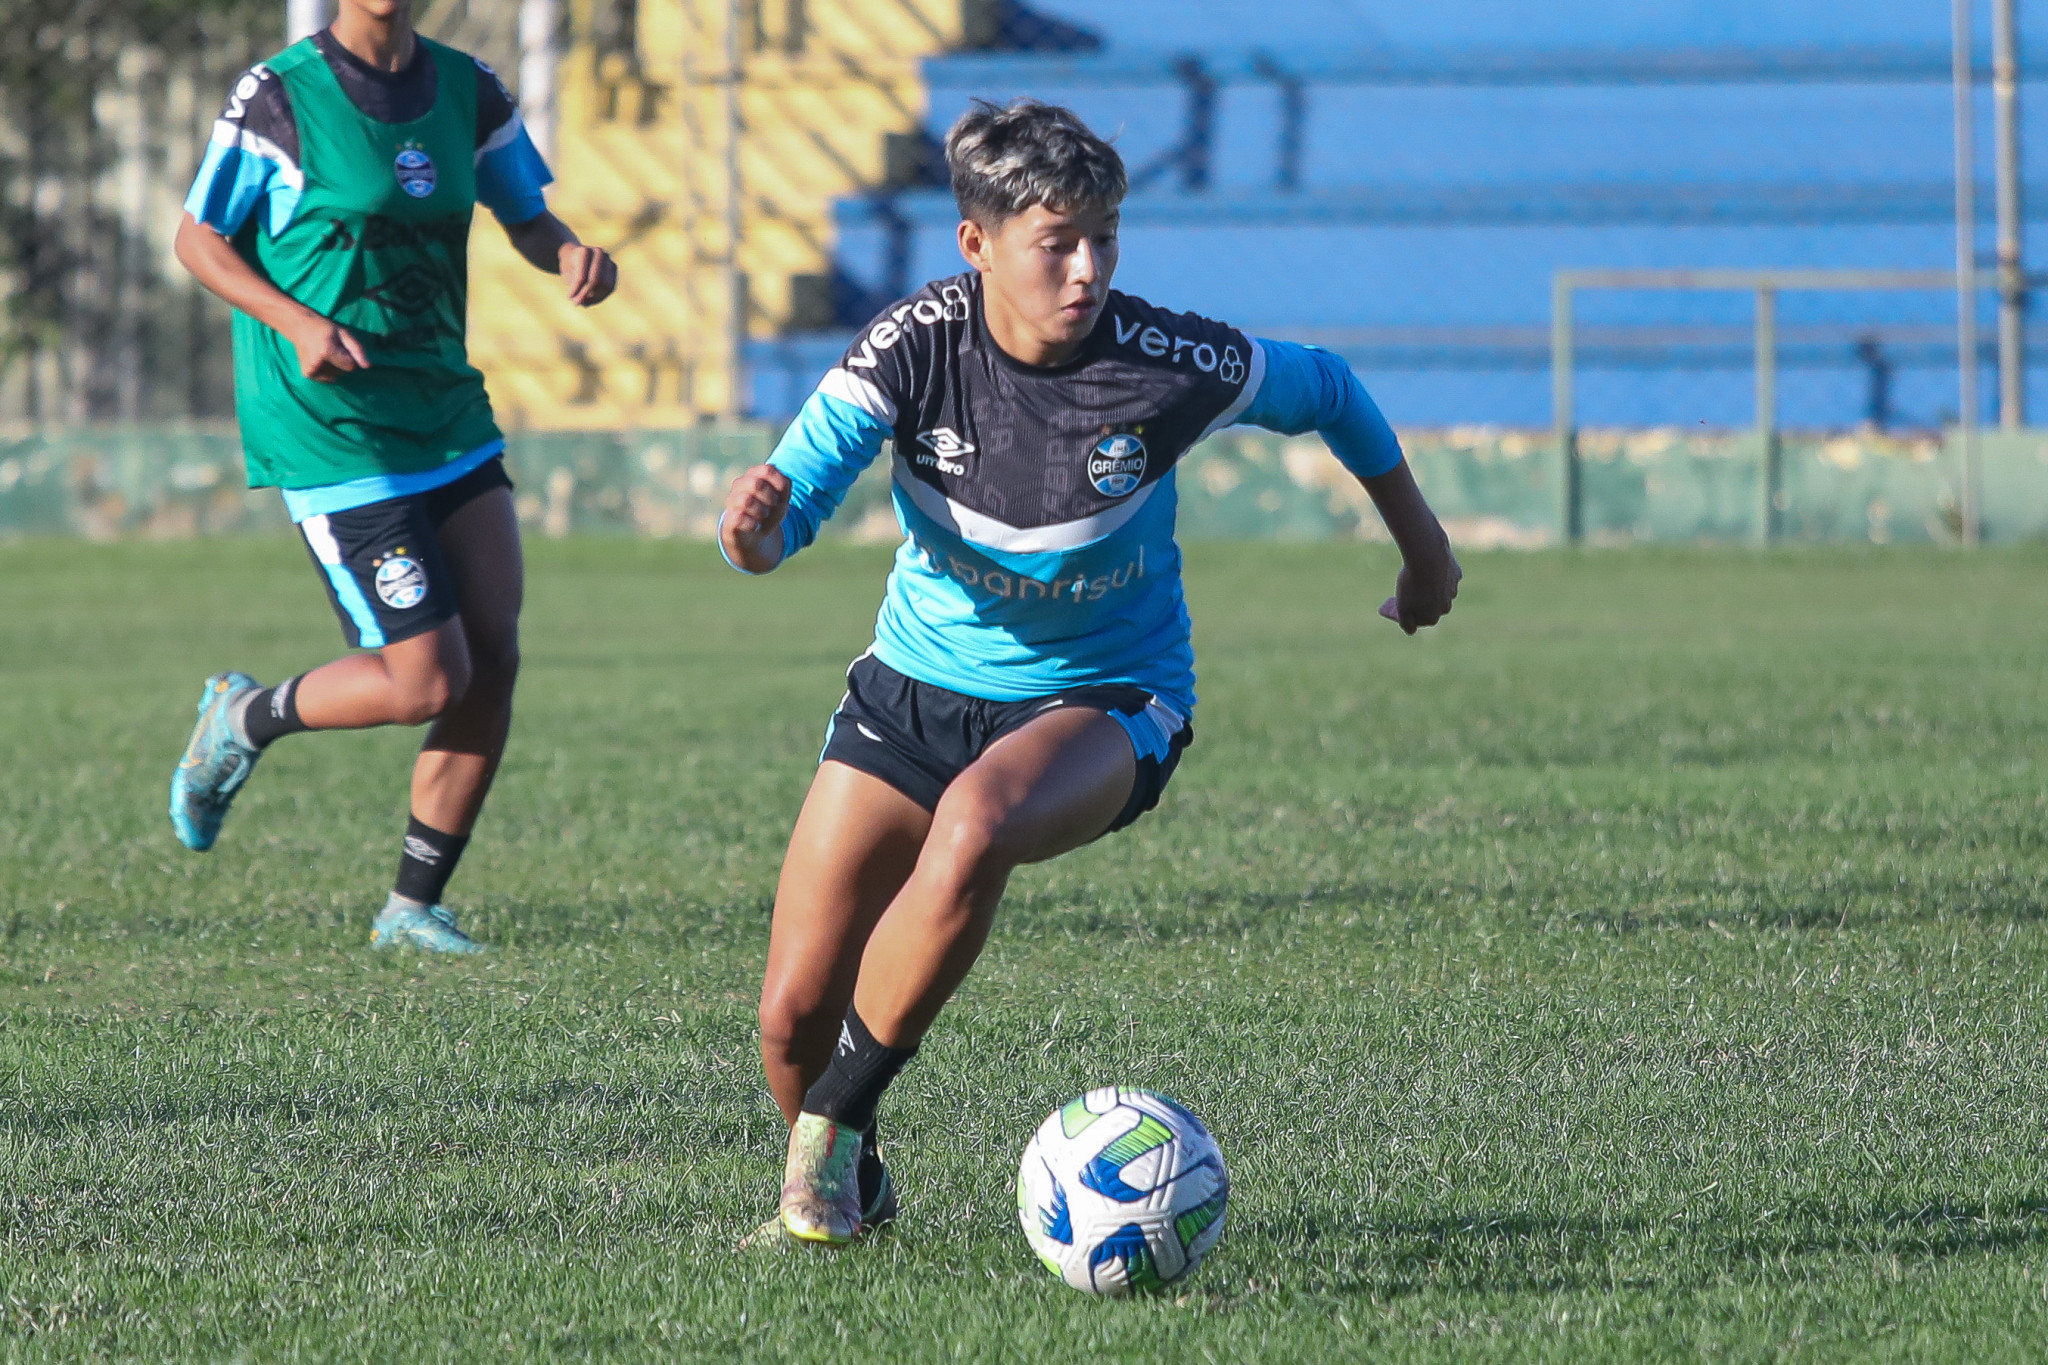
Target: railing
<point x="1767" y="284"/>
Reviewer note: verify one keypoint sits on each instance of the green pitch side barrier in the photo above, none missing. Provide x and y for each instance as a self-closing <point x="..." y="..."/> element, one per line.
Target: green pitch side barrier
<point x="168" y="481"/>
<point x="1493" y="488"/>
<point x="1498" y="489"/>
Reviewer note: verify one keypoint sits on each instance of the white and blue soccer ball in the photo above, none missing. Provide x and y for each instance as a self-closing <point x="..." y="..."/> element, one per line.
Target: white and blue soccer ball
<point x="1121" y="1190"/>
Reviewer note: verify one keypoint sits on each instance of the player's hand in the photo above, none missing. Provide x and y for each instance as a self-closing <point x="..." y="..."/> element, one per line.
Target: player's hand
<point x="327" y="350"/>
<point x="1423" y="597"/>
<point x="588" y="272"/>
<point x="751" y="528"/>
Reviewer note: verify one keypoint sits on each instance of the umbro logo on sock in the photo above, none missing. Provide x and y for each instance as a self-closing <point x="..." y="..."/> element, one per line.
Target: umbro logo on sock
<point x="280" y="697"/>
<point x="416" y="847"/>
<point x="845" y="1038"/>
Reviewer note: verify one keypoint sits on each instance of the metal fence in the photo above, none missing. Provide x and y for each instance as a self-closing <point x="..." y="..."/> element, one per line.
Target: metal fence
<point x="104" y="111"/>
<point x="1405" y="199"/>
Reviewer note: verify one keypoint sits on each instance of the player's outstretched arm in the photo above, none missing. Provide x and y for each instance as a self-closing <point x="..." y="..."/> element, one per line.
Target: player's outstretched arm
<point x="327" y="350"/>
<point x="750" y="532"/>
<point x="588" y="272"/>
<point x="1305" y="388"/>
<point x="1428" y="582"/>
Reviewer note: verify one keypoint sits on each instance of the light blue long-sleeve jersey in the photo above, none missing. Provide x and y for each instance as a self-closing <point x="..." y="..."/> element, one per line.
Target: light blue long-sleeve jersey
<point x="1003" y="606"/>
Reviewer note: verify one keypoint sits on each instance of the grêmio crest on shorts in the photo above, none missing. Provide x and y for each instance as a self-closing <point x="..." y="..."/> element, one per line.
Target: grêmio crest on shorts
<point x="1026" y="447"/>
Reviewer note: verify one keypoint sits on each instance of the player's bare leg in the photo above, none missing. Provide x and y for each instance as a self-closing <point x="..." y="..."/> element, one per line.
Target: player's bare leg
<point x="1043" y="790"/>
<point x="407" y="682"/>
<point x="460" y="756"/>
<point x="1050" y="786"/>
<point x="459" y="676"/>
<point x="855" y="845"/>
<point x="459" y="759"/>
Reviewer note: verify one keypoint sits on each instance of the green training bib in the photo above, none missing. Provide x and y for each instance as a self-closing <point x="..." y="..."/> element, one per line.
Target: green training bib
<point x="380" y="244"/>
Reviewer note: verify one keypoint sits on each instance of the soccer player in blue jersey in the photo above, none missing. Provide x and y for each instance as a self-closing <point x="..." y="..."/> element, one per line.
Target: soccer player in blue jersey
<point x="1031" y="684"/>
<point x="333" y="211"/>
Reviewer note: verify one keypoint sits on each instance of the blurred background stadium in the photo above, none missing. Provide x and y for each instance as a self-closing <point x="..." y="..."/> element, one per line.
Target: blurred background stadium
<point x="1400" y="183"/>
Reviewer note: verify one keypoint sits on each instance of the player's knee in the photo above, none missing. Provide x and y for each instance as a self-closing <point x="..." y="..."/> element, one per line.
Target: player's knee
<point x="423" y="698"/>
<point x="498" y="661"/>
<point x="789" y="1015"/>
<point x="494" y="668"/>
<point x="420" y="703"/>
<point x="970" y="840"/>
<point x="778" y="1025"/>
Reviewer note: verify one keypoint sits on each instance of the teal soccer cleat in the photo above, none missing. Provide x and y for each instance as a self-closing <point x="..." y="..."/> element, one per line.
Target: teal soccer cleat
<point x="429" y="928"/>
<point x="880" y="1209"/>
<point x="214" y="767"/>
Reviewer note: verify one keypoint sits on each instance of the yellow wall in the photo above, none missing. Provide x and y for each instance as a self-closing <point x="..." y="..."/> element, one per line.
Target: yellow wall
<point x="640" y="161"/>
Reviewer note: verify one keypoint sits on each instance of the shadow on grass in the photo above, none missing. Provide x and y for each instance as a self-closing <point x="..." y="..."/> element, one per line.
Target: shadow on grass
<point x="1696" y="904"/>
<point x="1525" y="1252"/>
<point x="660" y="1104"/>
<point x="536" y="925"/>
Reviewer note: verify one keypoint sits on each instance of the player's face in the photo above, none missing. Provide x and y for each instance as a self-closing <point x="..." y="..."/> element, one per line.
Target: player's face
<point x="1047" y="272"/>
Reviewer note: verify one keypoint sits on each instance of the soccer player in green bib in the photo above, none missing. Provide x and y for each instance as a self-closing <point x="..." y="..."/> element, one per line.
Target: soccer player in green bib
<point x="333" y="212"/>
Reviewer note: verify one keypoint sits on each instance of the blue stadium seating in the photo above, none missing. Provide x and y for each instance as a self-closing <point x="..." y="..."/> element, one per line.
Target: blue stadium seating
<point x="1400" y="183"/>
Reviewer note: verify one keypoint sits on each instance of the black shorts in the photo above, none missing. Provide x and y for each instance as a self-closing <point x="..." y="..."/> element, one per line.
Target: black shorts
<point x="918" y="738"/>
<point x="382" y="563"/>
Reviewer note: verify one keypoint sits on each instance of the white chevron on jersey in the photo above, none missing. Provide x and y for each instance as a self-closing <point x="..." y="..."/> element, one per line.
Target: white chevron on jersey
<point x="978" y="528"/>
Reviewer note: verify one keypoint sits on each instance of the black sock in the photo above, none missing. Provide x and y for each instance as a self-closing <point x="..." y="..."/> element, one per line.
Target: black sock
<point x="271" y="713"/>
<point x="428" y="862"/>
<point x="860" y="1071"/>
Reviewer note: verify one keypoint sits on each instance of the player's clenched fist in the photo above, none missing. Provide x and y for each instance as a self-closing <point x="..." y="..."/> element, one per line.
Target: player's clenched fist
<point x="588" y="272"/>
<point x="1423" y="593"/>
<point x="327" y="350"/>
<point x="751" y="529"/>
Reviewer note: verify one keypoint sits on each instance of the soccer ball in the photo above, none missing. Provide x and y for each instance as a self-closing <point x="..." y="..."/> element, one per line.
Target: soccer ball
<point x="1120" y="1190"/>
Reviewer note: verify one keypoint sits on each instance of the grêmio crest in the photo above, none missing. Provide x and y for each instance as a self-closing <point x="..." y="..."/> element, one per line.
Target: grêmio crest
<point x="1116" y="466"/>
<point x="415" y="170"/>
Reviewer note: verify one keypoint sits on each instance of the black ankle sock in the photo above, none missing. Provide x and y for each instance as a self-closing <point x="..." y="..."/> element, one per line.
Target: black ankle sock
<point x="860" y="1071"/>
<point x="272" y="713"/>
<point x="428" y="861"/>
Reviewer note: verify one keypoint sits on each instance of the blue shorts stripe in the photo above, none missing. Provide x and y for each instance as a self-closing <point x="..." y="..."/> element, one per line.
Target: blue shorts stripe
<point x="1151" y="730"/>
<point x="349" y="593"/>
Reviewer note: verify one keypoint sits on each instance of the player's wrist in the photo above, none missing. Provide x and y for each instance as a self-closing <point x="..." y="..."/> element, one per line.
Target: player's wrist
<point x="299" y="323"/>
<point x="755" y="552"/>
<point x="1429" y="557"/>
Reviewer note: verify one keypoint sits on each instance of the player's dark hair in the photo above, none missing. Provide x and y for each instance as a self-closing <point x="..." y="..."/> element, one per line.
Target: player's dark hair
<point x="1006" y="158"/>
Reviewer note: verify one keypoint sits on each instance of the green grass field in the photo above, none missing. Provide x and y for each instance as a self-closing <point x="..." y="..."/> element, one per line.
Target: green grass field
<point x="1649" y="964"/>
